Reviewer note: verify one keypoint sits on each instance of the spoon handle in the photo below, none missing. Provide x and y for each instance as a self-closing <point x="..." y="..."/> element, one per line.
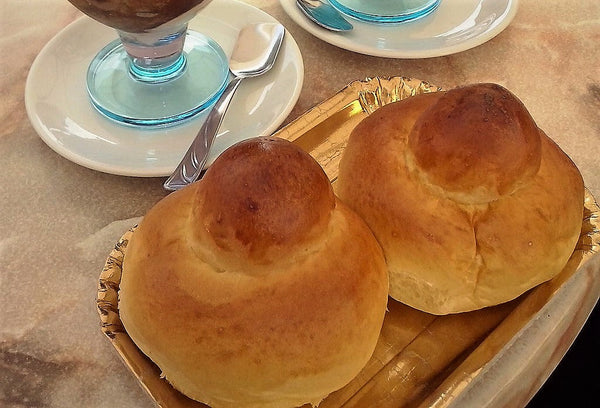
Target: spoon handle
<point x="193" y="161"/>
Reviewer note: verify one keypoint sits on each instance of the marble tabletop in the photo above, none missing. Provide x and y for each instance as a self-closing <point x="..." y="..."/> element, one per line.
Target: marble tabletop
<point x="60" y="220"/>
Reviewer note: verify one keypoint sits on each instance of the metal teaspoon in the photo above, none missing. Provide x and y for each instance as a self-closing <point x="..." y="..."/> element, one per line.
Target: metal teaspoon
<point x="324" y="15"/>
<point x="254" y="54"/>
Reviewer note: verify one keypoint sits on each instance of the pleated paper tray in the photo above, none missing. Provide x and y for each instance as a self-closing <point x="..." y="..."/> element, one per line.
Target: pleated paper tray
<point x="494" y="357"/>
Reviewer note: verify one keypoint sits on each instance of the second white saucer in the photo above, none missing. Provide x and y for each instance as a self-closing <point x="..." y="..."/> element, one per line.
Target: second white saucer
<point x="453" y="27"/>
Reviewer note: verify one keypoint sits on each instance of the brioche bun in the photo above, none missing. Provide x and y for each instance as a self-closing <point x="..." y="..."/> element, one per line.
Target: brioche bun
<point x="256" y="286"/>
<point x="471" y="202"/>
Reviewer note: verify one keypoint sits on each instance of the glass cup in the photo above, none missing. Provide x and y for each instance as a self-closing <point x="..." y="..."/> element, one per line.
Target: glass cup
<point x="386" y="11"/>
<point x="157" y="72"/>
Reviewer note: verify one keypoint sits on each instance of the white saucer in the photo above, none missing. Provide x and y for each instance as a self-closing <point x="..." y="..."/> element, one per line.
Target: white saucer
<point x="453" y="27"/>
<point x="61" y="113"/>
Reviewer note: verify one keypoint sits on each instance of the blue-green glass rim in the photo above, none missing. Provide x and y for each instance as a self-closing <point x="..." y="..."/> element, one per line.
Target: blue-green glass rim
<point x="379" y="18"/>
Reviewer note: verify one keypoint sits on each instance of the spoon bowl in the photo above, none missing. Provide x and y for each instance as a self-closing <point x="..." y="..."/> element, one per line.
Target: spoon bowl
<point x="254" y="53"/>
<point x="324" y="15"/>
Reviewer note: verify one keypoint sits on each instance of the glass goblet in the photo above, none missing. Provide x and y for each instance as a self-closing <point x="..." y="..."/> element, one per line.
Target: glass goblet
<point x="157" y="72"/>
<point x="386" y="11"/>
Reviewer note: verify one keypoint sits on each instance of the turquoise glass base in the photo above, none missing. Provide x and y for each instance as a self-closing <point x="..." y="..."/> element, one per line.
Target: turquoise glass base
<point x="187" y="86"/>
<point x="386" y="11"/>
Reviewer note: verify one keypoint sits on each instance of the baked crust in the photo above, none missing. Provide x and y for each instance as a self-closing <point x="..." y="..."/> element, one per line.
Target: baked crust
<point x="467" y="222"/>
<point x="242" y="295"/>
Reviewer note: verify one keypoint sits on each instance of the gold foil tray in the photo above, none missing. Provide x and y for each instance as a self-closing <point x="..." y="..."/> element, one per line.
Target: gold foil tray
<point x="420" y="360"/>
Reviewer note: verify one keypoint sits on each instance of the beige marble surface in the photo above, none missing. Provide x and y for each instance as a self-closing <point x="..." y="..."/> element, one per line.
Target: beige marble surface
<point x="59" y="220"/>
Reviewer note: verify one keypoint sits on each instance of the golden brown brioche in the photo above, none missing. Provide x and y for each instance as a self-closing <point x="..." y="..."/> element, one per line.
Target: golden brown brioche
<point x="472" y="203"/>
<point x="255" y="287"/>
